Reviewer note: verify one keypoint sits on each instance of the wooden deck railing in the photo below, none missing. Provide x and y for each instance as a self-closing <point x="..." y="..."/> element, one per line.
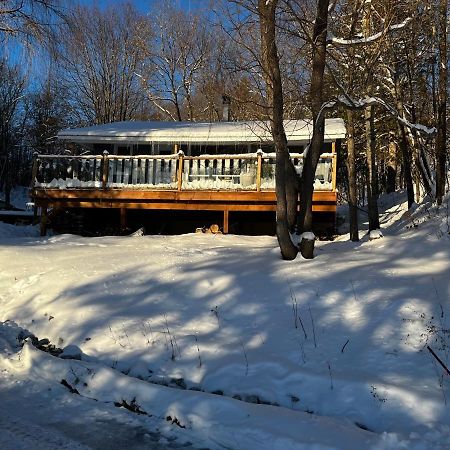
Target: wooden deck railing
<point x="250" y="172"/>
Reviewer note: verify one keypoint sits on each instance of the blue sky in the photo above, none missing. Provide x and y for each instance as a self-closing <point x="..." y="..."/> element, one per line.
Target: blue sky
<point x="146" y="5"/>
<point x="37" y="68"/>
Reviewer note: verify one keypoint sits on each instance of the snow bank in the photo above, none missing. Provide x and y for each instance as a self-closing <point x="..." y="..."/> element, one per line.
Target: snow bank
<point x="375" y="234"/>
<point x="321" y="345"/>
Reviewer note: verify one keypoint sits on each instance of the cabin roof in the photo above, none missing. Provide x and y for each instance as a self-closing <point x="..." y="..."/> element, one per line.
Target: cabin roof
<point x="297" y="131"/>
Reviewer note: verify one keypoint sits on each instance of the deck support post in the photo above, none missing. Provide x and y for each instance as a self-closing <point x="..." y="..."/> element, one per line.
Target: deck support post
<point x="226" y="215"/>
<point x="123" y="219"/>
<point x="44" y="220"/>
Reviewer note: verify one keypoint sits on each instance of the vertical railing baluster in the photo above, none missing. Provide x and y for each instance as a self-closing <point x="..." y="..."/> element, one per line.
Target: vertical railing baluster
<point x="93" y="173"/>
<point x="117" y="171"/>
<point x="226" y="168"/>
<point x="150" y="178"/>
<point x="163" y="171"/>
<point x="142" y="163"/>
<point x="111" y="172"/>
<point x="194" y="169"/>
<point x="99" y="170"/>
<point x="74" y="169"/>
<point x="154" y="171"/>
<point x="83" y="170"/>
<point x="202" y="168"/>
<point x="134" y="170"/>
<point x="95" y="170"/>
<point x="105" y="169"/>
<point x="127" y="171"/>
<point x="157" y="171"/>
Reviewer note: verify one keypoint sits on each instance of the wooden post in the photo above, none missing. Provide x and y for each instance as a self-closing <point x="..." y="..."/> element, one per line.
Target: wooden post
<point x="225" y="221"/>
<point x="105" y="169"/>
<point x="180" y="170"/>
<point x="333" y="147"/>
<point x="44" y="219"/>
<point x="334" y="173"/>
<point x="123" y="219"/>
<point x="259" y="170"/>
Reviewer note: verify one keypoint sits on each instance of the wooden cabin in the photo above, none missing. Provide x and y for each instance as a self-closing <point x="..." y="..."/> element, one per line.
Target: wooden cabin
<point x="227" y="167"/>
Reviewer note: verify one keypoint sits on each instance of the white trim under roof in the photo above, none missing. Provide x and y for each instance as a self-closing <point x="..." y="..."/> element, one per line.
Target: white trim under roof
<point x="297" y="132"/>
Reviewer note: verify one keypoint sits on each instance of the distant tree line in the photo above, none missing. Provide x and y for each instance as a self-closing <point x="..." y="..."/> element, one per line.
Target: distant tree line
<point x="381" y="65"/>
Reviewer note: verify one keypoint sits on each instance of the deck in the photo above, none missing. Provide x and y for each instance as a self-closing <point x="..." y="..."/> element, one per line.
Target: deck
<point x="170" y="182"/>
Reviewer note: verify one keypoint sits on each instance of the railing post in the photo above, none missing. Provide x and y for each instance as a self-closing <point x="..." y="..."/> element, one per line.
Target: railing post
<point x="105" y="169"/>
<point x="259" y="155"/>
<point x="34" y="169"/>
<point x="334" y="172"/>
<point x="180" y="169"/>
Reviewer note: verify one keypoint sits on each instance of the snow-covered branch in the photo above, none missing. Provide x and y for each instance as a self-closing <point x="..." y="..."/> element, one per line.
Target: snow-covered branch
<point x="360" y="103"/>
<point x="369" y="39"/>
<point x="154" y="99"/>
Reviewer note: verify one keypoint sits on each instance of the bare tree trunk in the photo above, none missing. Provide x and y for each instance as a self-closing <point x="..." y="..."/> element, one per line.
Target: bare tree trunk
<point x="421" y="162"/>
<point x="403" y="139"/>
<point x="441" y="152"/>
<point x="292" y="190"/>
<point x="372" y="174"/>
<point x="351" y="168"/>
<point x="271" y="67"/>
<point x="316" y="146"/>
<point x="406" y="157"/>
<point x="391" y="170"/>
<point x="8" y="183"/>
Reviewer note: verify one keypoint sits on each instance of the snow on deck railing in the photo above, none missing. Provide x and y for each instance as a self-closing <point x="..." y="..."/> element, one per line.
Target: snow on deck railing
<point x="247" y="171"/>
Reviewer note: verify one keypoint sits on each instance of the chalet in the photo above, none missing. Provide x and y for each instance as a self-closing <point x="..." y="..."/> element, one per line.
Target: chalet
<point x="228" y="167"/>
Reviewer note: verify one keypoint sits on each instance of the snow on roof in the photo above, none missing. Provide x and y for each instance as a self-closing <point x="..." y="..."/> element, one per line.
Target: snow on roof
<point x="297" y="131"/>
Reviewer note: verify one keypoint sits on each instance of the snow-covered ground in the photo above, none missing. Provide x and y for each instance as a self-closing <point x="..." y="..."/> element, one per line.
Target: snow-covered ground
<point x="215" y="342"/>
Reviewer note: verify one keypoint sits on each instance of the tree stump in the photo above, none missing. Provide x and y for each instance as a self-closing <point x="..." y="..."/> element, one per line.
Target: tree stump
<point x="307" y="245"/>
